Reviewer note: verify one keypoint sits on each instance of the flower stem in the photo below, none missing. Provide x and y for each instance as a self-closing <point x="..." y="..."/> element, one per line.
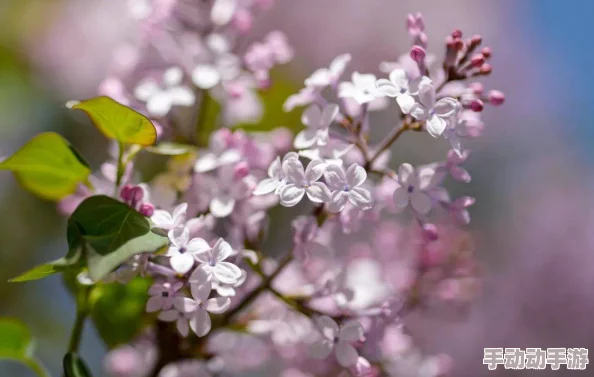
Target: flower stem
<point x="121" y="168"/>
<point x="81" y="314"/>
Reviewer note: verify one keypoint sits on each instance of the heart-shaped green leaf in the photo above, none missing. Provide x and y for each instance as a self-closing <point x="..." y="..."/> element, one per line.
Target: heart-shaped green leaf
<point x="48" y="166"/>
<point x="47" y="269"/>
<point x="119" y="122"/>
<point x="16" y="342"/>
<point x="110" y="232"/>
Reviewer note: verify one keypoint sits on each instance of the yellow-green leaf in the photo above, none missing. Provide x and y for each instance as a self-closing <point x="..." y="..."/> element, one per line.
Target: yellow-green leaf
<point x="119" y="122"/>
<point x="48" y="166"/>
<point x="168" y="148"/>
<point x="16" y="342"/>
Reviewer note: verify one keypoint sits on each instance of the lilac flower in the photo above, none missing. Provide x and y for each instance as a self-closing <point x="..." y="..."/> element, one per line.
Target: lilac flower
<point x="412" y="189"/>
<point x="160" y="99"/>
<point x="458" y="209"/>
<point x="452" y="165"/>
<point x="328" y="76"/>
<point x="338" y="340"/>
<point x="219" y="152"/>
<point x="435" y="114"/>
<point x="301" y="182"/>
<point x="305" y="240"/>
<point x="276" y="177"/>
<point x="185" y="368"/>
<point x="399" y="87"/>
<point x="222" y="11"/>
<point x="304" y="97"/>
<point x="362" y="88"/>
<point x="183" y="250"/>
<point x="468" y="125"/>
<point x="228" y="290"/>
<point x="227" y="189"/>
<point x="196" y="309"/>
<point x="329" y="154"/>
<point x="162" y="295"/>
<point x="165" y="220"/>
<point x="213" y="263"/>
<point x="347" y="187"/>
<point x="317" y="122"/>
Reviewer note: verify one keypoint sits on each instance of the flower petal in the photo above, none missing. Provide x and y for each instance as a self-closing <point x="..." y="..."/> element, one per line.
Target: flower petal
<point x="290" y="195"/>
<point x="179" y="213"/>
<point x="446" y="107"/>
<point x="399" y="78"/>
<point x="200" y="323"/>
<point x="314" y="171"/>
<point x="305" y="138"/>
<point x="202" y="291"/>
<point x="420" y="202"/>
<point x="335" y="177"/>
<point x="226" y="272"/>
<point x="355" y="175"/>
<point x="221" y="250"/>
<point x="360" y="197"/>
<point x="181" y="263"/>
<point x="205" y="76"/>
<point x="197" y="246"/>
<point x="328" y="115"/>
<point x="159" y="104"/>
<point x="318" y="192"/>
<point x="401" y="197"/>
<point x="435" y="125"/>
<point x="311" y="116"/>
<point x="427" y="95"/>
<point x="294" y="171"/>
<point x="169" y="315"/>
<point x="406" y="173"/>
<point x="199" y="277"/>
<point x="221" y="206"/>
<point x="351" y="331"/>
<point x="179" y="237"/>
<point x="206" y="162"/>
<point x="162" y="219"/>
<point x="182" y="327"/>
<point x="387" y="88"/>
<point x="154" y="304"/>
<point x="327" y="326"/>
<point x="346" y="354"/>
<point x="185" y="304"/>
<point x="406" y="103"/>
<point x="321" y="349"/>
<point x="337" y="201"/>
<point x="218" y="305"/>
<point x="182" y="96"/>
<point x="266" y="186"/>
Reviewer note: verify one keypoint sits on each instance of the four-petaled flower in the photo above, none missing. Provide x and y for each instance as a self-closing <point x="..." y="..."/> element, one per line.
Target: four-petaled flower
<point x="301" y="182"/>
<point x="276" y="177"/>
<point x="338" y="340"/>
<point x="435" y="114"/>
<point x="328" y="76"/>
<point x="347" y="187"/>
<point x="159" y="99"/>
<point x="162" y="295"/>
<point x="398" y="86"/>
<point x="362" y="88"/>
<point x="182" y="251"/>
<point x="317" y="122"/>
<point x="213" y="264"/>
<point x="412" y="189"/>
<point x="165" y="220"/>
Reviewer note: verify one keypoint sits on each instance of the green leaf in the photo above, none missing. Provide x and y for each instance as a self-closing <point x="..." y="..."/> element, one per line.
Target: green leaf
<point x="48" y="166"/>
<point x="16" y="342"/>
<point x="74" y="366"/>
<point x="119" y="122"/>
<point x="110" y="232"/>
<point x="50" y="268"/>
<point x="168" y="148"/>
<point x="118" y="310"/>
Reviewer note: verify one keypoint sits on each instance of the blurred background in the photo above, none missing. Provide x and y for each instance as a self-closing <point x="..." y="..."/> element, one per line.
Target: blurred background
<point x="532" y="170"/>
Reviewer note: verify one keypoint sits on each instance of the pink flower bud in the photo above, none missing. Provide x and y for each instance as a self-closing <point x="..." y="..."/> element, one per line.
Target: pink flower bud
<point x="477" y="60"/>
<point x="136" y="194"/>
<point x="487" y="52"/>
<point x="417" y="53"/>
<point x="458" y="44"/>
<point x="457" y="33"/>
<point x="476" y="88"/>
<point x="364" y="369"/>
<point x="486" y="69"/>
<point x="123" y="362"/>
<point x="243" y="21"/>
<point x="450" y="42"/>
<point x="430" y="232"/>
<point x="476" y="40"/>
<point x="242" y="169"/>
<point x="476" y="105"/>
<point x="147" y="209"/>
<point x="125" y="193"/>
<point x="496" y="97"/>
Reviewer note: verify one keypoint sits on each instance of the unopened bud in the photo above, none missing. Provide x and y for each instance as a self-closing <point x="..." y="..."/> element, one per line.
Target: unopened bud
<point x="496" y="97"/>
<point x="486" y="69"/>
<point x="477" y="60"/>
<point x="430" y="232"/>
<point x="476" y="88"/>
<point x="126" y="193"/>
<point x="487" y="52"/>
<point x="476" y="105"/>
<point x="243" y="21"/>
<point x="147" y="209"/>
<point x="457" y="33"/>
<point x="242" y="169"/>
<point x="136" y="194"/>
<point x="417" y="53"/>
<point x="458" y="44"/>
<point x="476" y="40"/>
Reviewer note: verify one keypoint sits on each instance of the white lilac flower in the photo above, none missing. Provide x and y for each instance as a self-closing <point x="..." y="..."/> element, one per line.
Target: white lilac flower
<point x="197" y="308"/>
<point x="226" y="191"/>
<point x="362" y="88"/>
<point x="182" y="251"/>
<point x="162" y="295"/>
<point x="413" y="188"/>
<point x="160" y="98"/>
<point x="302" y="181"/>
<point x="228" y="290"/>
<point x="276" y="178"/>
<point x="304" y="97"/>
<point x="399" y="87"/>
<point x="317" y="122"/>
<point x="213" y="264"/>
<point x="346" y="186"/>
<point x="165" y="220"/>
<point x="328" y="76"/>
<point x="218" y="154"/>
<point x="222" y="11"/>
<point x="337" y="339"/>
<point x="180" y="318"/>
<point x="435" y="114"/>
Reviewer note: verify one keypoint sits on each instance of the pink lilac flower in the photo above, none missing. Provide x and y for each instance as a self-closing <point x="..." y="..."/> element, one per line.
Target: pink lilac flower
<point x="219" y="152"/>
<point x="227" y="189"/>
<point x="329" y="154"/>
<point x="162" y="295"/>
<point x="346" y="186"/>
<point x="276" y="177"/>
<point x="213" y="264"/>
<point x="362" y="88"/>
<point x="317" y="122"/>
<point x="323" y="77"/>
<point x="306" y="242"/>
<point x="302" y="181"/>
<point x="165" y="220"/>
<point x="399" y="87"/>
<point x="452" y="165"/>
<point x="413" y="189"/>
<point x="436" y="114"/>
<point x="337" y="339"/>
<point x="183" y="250"/>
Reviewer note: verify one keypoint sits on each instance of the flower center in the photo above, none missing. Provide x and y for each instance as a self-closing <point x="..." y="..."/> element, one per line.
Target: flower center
<point x="305" y="184"/>
<point x="164" y="294"/>
<point x="410" y="189"/>
<point x="346" y="187"/>
<point x="182" y="250"/>
<point x="212" y="263"/>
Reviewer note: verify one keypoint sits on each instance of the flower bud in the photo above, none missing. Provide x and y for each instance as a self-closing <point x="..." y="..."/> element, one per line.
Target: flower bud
<point x="123" y="362"/>
<point x="147" y="209"/>
<point x="242" y="169"/>
<point x="457" y="33"/>
<point x="430" y="232"/>
<point x="496" y="97"/>
<point x="136" y="194"/>
<point x="125" y="193"/>
<point x="458" y="44"/>
<point x="477" y="60"/>
<point x="476" y="105"/>
<point x="476" y="40"/>
<point x="243" y="21"/>
<point x="486" y="69"/>
<point x="487" y="52"/>
<point x="417" y="53"/>
<point x="476" y="88"/>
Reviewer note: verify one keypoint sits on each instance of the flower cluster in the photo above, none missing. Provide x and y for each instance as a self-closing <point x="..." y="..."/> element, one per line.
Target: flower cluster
<point x="342" y="288"/>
